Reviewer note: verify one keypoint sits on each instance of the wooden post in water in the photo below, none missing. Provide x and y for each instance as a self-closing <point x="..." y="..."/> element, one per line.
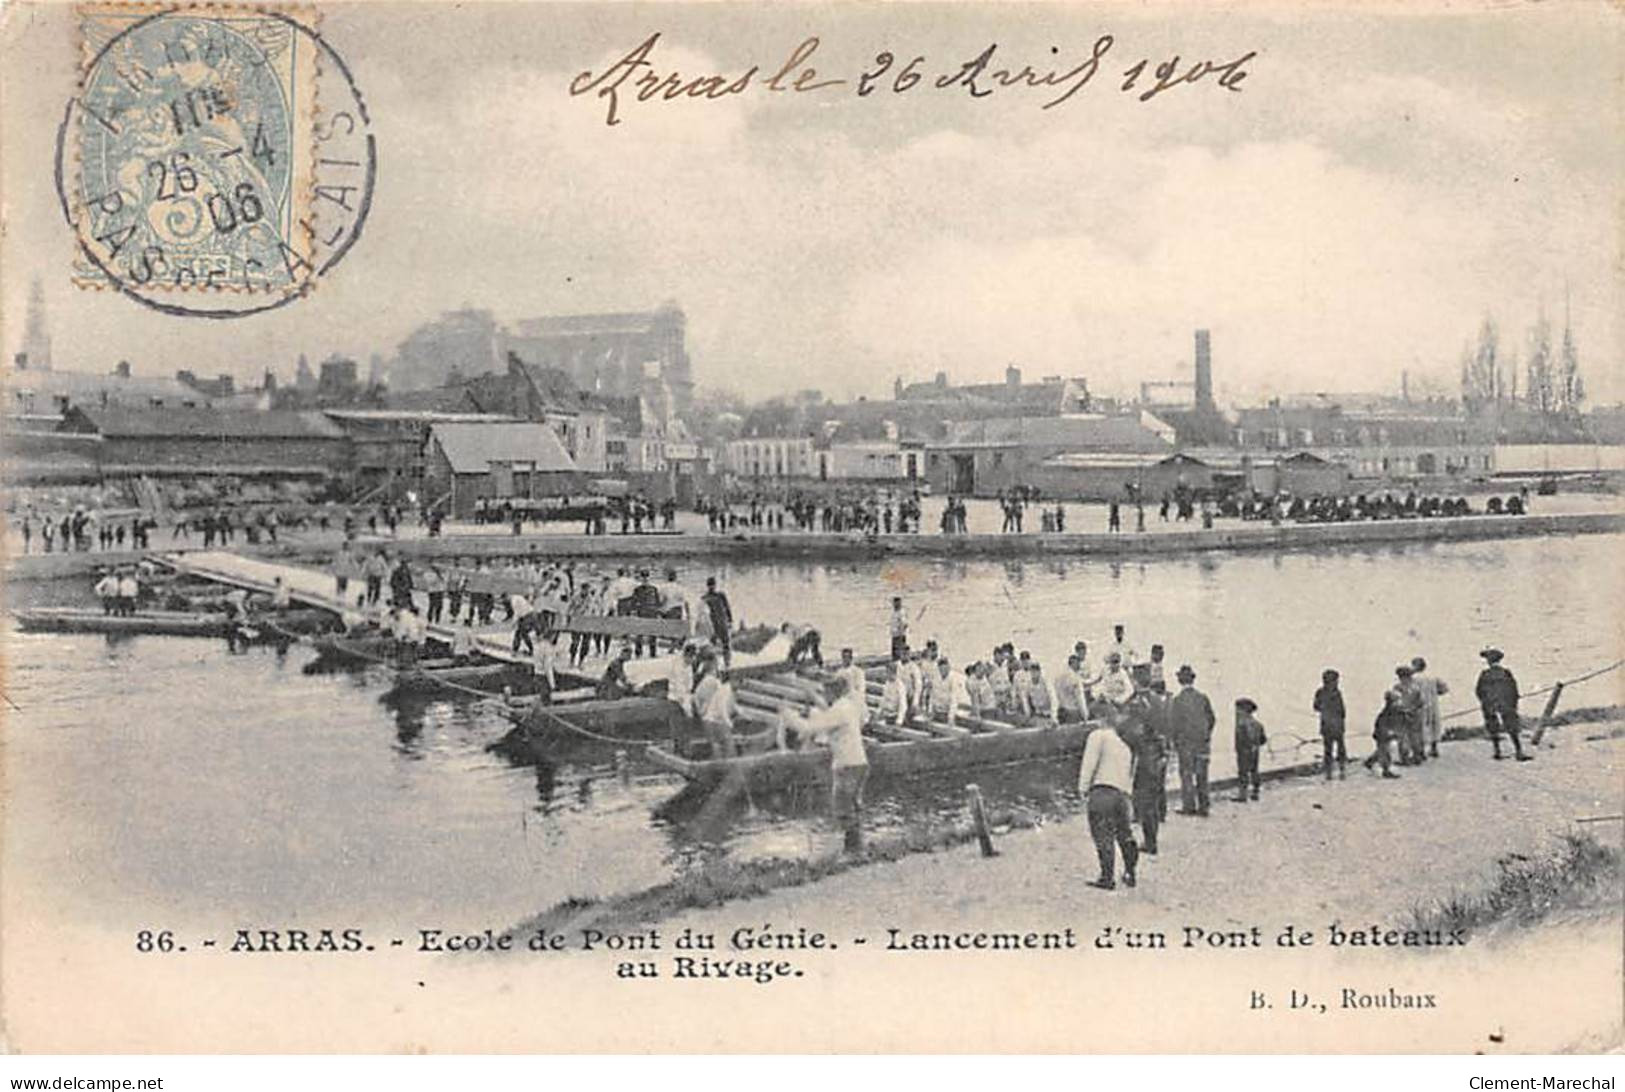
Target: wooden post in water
<point x="1546" y="715"/>
<point x="978" y="815"/>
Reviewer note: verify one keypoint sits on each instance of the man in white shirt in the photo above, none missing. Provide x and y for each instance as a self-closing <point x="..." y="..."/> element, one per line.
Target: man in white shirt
<point x="947" y="693"/>
<point x="281" y="595"/>
<point x="1069" y="701"/>
<point x="1039" y="698"/>
<point x="854" y="674"/>
<point x="107" y="591"/>
<point x="1105" y="780"/>
<point x="680" y="681"/>
<point x="1089" y="671"/>
<point x="894" y="696"/>
<point x="462" y="643"/>
<point x="1116" y="688"/>
<point x="909" y="672"/>
<point x="718" y="715"/>
<point x="129" y="590"/>
<point x="410" y="632"/>
<point x="840" y="724"/>
<point x="541" y="669"/>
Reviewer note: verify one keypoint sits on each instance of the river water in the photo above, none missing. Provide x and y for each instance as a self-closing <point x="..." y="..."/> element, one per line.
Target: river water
<point x="175" y="776"/>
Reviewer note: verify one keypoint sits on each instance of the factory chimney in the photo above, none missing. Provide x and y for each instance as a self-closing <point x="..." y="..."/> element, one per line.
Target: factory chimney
<point x="1204" y="372"/>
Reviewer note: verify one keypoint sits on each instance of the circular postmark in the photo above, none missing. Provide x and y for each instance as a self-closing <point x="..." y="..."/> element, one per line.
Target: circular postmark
<point x="216" y="161"/>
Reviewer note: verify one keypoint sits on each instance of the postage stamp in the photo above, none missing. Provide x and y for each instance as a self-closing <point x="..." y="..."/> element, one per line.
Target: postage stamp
<point x="192" y="158"/>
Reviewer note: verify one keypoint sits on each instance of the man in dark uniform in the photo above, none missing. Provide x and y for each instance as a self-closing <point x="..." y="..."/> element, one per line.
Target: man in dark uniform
<point x="722" y="619"/>
<point x="1498" y="697"/>
<point x="1190" y="721"/>
<point x="1145" y="731"/>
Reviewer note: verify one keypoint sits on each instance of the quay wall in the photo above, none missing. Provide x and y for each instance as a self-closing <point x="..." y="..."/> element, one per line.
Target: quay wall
<point x="819" y="546"/>
<point x="814" y="545"/>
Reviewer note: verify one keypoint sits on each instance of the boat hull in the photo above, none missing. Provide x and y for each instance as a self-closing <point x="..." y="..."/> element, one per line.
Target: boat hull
<point x="887" y="759"/>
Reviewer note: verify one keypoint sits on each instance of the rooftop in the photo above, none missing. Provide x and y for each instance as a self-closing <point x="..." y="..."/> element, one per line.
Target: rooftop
<point x="200" y="423"/>
<point x="472" y="448"/>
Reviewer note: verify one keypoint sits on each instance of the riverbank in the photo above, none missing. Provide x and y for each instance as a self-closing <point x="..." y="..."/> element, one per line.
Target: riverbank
<point x="1373" y="850"/>
<point x="1226" y="537"/>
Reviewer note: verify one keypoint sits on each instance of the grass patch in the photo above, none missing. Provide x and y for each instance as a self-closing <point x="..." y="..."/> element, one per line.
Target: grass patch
<point x="1581" y="873"/>
<point x="1589" y="714"/>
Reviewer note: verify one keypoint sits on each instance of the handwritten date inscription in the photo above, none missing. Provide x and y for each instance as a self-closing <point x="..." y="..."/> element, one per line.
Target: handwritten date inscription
<point x="637" y="78"/>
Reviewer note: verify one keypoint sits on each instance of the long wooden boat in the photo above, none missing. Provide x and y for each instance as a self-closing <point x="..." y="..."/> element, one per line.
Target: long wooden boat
<point x="160" y="623"/>
<point x="892" y="754"/>
<point x="543" y="732"/>
<point x="163" y="623"/>
<point x="489" y="676"/>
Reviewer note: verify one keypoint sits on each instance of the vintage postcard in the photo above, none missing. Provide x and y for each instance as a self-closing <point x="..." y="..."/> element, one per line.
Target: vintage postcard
<point x="807" y="527"/>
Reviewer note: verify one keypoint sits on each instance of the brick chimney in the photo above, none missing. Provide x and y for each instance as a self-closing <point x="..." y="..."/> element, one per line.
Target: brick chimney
<point x="1204" y="371"/>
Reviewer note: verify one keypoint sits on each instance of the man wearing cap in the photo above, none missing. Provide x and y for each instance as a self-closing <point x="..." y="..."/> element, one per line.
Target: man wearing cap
<point x="1497" y="694"/>
<point x="1105" y="780"/>
<point x="1430" y="688"/>
<point x="1191" y="720"/>
<point x="1250" y="740"/>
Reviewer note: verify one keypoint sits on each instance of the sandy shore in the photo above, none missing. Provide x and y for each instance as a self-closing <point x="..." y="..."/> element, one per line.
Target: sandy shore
<point x="1363" y="850"/>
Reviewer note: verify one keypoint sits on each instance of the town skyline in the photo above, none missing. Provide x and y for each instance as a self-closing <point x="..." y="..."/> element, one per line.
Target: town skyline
<point x="1377" y="186"/>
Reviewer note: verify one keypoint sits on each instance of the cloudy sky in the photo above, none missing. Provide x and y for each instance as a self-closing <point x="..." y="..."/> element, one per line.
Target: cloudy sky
<point x="1380" y="182"/>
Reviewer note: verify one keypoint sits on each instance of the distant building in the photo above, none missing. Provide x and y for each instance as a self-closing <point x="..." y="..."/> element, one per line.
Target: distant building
<point x="1052" y="395"/>
<point x="526" y="392"/>
<point x="1378" y="439"/>
<point x="39" y="399"/>
<point x="387" y="446"/>
<point x="615" y="354"/>
<point x="871" y="461"/>
<point x="987" y="457"/>
<point x="466" y="462"/>
<point x="465" y="342"/>
<point x="770" y="457"/>
<point x="167" y="440"/>
<point x="618" y="354"/>
<point x="221" y="386"/>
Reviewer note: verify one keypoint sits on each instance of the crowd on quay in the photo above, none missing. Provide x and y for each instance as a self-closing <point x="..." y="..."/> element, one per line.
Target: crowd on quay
<point x="863" y="511"/>
<point x="81" y="531"/>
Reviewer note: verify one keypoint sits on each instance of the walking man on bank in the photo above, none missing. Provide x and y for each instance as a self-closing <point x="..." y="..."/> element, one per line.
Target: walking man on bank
<point x="839" y="724"/>
<point x="1191" y="720"/>
<point x="1105" y="780"/>
<point x="1497" y="694"/>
